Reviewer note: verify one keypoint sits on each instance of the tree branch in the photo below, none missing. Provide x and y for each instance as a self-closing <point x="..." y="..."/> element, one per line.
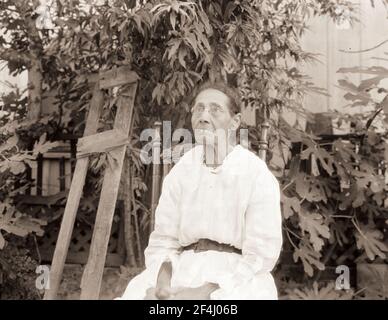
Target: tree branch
<point x="12" y="55"/>
<point x="366" y="50"/>
<point x="33" y="32"/>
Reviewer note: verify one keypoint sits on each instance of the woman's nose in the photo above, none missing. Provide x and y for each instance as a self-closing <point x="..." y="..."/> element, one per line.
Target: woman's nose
<point x="204" y="116"/>
<point x="204" y="120"/>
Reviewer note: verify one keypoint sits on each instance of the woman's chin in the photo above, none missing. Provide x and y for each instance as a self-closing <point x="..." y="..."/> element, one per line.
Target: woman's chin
<point x="205" y="138"/>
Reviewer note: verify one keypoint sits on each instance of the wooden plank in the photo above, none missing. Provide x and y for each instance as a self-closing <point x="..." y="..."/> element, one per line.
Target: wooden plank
<point x="45" y="176"/>
<point x="67" y="174"/>
<point x="92" y="276"/>
<point x="101" y="142"/>
<point x="117" y="77"/>
<point x="53" y="186"/>
<point x="128" y="235"/>
<point x="57" y="155"/>
<point x="263" y="143"/>
<point x="166" y="169"/>
<point x="127" y="195"/>
<point x="156" y="175"/>
<point x="72" y="203"/>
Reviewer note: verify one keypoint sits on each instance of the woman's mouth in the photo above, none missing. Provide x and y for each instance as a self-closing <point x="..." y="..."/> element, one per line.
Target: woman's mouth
<point x="204" y="129"/>
<point x="204" y="136"/>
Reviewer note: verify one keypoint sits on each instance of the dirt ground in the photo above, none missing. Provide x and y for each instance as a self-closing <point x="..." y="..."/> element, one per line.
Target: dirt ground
<point x="114" y="282"/>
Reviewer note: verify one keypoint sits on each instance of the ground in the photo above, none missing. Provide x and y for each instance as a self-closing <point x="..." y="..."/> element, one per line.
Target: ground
<point x="114" y="282"/>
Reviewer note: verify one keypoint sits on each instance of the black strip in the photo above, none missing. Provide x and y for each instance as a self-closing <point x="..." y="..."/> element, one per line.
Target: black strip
<point x="62" y="184"/>
<point x="39" y="175"/>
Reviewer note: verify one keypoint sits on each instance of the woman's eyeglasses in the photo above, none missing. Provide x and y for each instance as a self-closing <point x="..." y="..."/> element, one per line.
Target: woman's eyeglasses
<point x="213" y="109"/>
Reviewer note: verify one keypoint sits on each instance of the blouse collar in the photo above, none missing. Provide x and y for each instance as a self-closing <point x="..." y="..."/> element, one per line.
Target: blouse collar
<point x="218" y="169"/>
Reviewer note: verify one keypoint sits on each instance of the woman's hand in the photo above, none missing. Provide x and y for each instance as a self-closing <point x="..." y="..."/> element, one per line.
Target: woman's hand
<point x="167" y="293"/>
<point x="150" y="294"/>
<point x="199" y="293"/>
<point x="162" y="291"/>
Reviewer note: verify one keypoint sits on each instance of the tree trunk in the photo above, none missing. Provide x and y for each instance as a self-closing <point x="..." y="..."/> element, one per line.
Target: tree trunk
<point x="35" y="79"/>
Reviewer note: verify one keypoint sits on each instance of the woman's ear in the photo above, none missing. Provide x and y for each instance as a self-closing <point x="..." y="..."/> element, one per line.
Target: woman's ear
<point x="236" y="121"/>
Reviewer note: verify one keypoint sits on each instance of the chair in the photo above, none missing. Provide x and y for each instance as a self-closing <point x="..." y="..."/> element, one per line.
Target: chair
<point x="159" y="171"/>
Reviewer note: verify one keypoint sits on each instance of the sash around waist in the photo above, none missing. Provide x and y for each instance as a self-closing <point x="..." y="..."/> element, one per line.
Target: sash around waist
<point x="207" y="244"/>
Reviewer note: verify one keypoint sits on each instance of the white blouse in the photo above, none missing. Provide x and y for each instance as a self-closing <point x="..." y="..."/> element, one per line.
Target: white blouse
<point x="237" y="203"/>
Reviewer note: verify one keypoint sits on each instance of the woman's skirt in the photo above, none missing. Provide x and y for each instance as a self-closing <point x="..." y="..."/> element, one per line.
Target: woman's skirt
<point x="193" y="269"/>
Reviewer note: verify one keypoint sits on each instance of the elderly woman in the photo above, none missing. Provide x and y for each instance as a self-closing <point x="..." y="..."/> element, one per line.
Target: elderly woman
<point x="218" y="222"/>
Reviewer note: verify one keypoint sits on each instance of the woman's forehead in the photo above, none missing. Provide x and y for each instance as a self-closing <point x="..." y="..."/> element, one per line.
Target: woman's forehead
<point x="212" y="96"/>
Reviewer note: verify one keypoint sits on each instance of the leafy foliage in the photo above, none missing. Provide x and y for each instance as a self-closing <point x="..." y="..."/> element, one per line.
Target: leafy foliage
<point x="16" y="223"/>
<point x="17" y="273"/>
<point x="339" y="198"/>
<point x="324" y="293"/>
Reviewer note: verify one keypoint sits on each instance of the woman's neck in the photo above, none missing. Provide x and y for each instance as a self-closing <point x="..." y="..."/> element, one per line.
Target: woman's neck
<point x="215" y="154"/>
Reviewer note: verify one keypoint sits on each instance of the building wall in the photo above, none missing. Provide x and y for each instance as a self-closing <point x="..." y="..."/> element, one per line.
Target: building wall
<point x="328" y="39"/>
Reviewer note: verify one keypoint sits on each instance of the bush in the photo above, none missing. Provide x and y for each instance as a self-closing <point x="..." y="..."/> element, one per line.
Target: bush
<point x="17" y="272"/>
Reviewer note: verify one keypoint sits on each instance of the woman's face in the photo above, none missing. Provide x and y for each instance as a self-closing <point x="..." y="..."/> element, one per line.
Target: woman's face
<point x="211" y="118"/>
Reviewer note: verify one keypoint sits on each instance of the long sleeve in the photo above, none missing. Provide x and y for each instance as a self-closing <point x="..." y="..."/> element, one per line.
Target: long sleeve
<point x="163" y="243"/>
<point x="262" y="232"/>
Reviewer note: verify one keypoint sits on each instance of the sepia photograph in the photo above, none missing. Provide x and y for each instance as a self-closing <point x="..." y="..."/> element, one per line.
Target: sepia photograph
<point x="197" y="150"/>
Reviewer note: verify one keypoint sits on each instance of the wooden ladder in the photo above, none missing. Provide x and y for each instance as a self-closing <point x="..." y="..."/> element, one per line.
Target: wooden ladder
<point x="114" y="143"/>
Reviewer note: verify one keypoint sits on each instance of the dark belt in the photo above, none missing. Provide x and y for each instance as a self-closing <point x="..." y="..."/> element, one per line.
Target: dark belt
<point x="207" y="244"/>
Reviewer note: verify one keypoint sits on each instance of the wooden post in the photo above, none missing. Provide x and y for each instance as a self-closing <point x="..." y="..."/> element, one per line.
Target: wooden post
<point x="92" y="276"/>
<point x="166" y="169"/>
<point x="263" y="143"/>
<point x="72" y="203"/>
<point x="127" y="193"/>
<point x="156" y="148"/>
